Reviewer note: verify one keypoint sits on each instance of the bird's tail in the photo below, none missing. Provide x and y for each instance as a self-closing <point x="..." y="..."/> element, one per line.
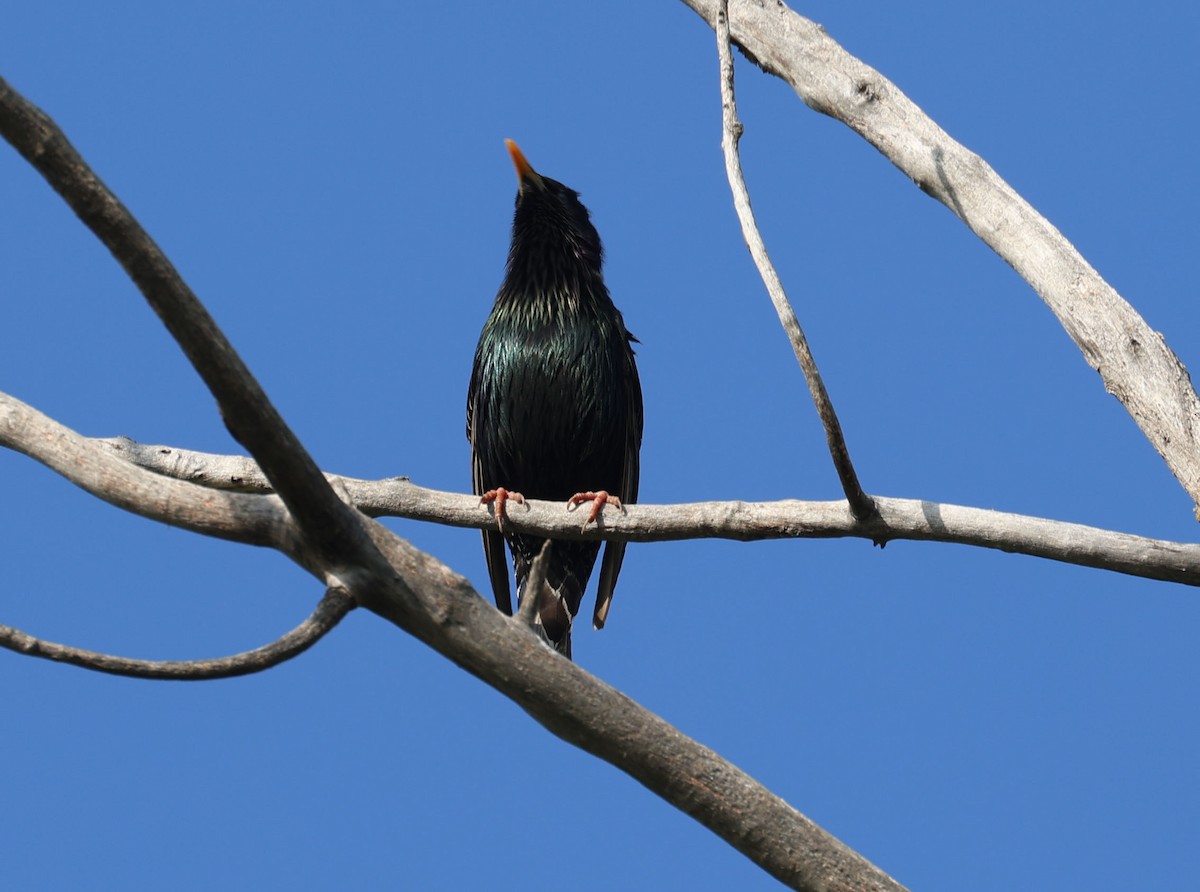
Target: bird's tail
<point x="567" y="568"/>
<point x="553" y="620"/>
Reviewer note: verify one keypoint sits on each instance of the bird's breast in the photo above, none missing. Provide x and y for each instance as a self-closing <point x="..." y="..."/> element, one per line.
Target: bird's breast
<point x="553" y="396"/>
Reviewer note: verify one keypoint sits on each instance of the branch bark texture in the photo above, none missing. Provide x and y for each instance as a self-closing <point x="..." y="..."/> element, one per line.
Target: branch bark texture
<point x="913" y="519"/>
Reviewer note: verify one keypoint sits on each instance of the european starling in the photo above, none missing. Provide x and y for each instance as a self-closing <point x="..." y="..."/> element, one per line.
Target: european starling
<point x="554" y="409"/>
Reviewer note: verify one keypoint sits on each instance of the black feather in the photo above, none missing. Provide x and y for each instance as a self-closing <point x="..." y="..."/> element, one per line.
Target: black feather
<point x="554" y="406"/>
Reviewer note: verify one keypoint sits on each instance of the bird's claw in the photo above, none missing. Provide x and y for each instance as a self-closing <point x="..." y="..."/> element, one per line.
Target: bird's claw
<point x="499" y="496"/>
<point x="598" y="500"/>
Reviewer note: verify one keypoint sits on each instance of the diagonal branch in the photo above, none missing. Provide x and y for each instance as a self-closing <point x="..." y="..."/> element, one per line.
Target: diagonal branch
<point x="731" y="132"/>
<point x="331" y="528"/>
<point x="1133" y="360"/>
<point x="329" y="612"/>
<point x="590" y="714"/>
<point x="438" y="606"/>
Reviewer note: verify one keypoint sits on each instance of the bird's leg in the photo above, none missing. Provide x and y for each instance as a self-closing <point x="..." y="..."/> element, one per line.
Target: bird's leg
<point x="500" y="495"/>
<point x="598" y="500"/>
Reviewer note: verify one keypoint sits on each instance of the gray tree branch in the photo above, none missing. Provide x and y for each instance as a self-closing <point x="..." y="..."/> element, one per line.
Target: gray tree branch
<point x="1133" y="360"/>
<point x="912" y="519"/>
<point x="427" y="599"/>
<point x="252" y="519"/>
<point x="421" y="595"/>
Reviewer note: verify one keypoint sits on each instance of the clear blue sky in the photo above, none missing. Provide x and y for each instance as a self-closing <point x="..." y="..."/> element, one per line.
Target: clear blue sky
<point x="333" y="183"/>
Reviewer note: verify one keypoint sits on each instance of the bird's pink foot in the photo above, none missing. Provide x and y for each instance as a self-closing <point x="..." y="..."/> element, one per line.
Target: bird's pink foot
<point x="598" y="500"/>
<point x="499" y="496"/>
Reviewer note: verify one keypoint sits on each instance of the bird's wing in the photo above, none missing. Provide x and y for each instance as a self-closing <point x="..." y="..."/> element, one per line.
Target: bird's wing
<point x="614" y="552"/>
<point x="493" y="542"/>
<point x="493" y="548"/>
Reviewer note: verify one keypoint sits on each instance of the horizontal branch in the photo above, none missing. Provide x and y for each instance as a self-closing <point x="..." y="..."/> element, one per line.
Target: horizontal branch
<point x="1137" y="366"/>
<point x="252" y="519"/>
<point x="913" y="519"/>
<point x="329" y="612"/>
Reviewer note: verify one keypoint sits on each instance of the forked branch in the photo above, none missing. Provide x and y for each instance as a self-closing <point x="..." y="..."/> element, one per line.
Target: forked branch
<point x="1133" y="360"/>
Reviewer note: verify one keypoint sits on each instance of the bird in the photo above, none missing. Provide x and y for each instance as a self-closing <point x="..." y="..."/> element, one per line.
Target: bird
<point x="554" y="406"/>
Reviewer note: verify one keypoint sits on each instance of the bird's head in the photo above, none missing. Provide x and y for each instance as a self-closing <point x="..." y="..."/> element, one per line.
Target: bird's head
<point x="551" y="227"/>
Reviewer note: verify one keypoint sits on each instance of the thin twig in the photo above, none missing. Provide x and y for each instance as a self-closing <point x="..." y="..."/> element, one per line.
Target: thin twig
<point x="731" y="131"/>
<point x="527" y="610"/>
<point x="329" y="612"/>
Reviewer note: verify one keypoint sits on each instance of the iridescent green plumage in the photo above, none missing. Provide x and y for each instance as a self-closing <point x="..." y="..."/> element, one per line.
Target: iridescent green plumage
<point x="554" y="406"/>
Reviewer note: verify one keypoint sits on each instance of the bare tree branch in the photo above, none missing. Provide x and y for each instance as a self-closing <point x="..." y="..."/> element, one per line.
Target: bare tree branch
<point x="329" y="612"/>
<point x="429" y="600"/>
<point x="912" y="519"/>
<point x="98" y="467"/>
<point x="731" y="132"/>
<point x="422" y="596"/>
<point x="439" y="607"/>
<point x="230" y="473"/>
<point x="1133" y="360"/>
<point x="446" y="613"/>
<point x="253" y="519"/>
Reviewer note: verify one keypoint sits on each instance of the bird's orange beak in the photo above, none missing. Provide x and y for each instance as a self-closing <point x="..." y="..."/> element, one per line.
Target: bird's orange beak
<point x="525" y="171"/>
